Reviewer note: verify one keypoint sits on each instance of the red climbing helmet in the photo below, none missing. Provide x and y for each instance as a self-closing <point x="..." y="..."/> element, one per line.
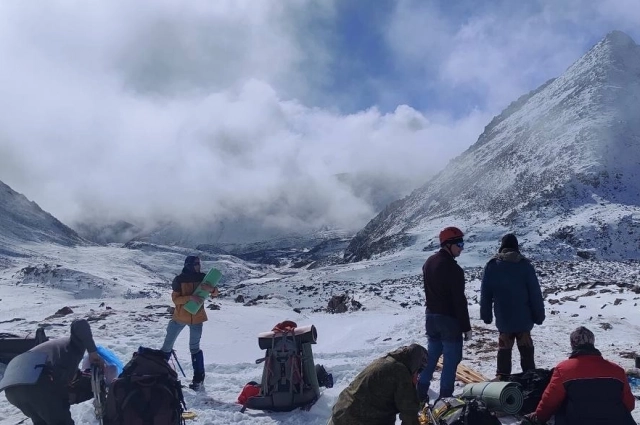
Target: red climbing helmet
<point x="449" y="234"/>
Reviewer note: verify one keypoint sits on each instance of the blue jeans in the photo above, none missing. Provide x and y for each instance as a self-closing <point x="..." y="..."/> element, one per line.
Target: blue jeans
<point x="173" y="330"/>
<point x="444" y="338"/>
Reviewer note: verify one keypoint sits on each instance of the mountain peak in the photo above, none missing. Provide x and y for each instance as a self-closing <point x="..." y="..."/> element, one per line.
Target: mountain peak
<point x="618" y="39"/>
<point x="613" y="56"/>
<point x="563" y="156"/>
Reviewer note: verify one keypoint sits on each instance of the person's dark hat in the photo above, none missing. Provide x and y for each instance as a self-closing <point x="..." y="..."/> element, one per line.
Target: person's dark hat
<point x="509" y="241"/>
<point x="190" y="262"/>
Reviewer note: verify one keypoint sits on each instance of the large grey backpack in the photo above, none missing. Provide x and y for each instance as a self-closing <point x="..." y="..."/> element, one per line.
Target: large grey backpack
<point x="289" y="378"/>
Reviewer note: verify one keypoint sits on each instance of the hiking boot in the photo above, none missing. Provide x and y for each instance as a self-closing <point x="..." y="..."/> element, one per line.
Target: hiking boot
<point x="504" y="363"/>
<point x="196" y="386"/>
<point x="197" y="361"/>
<point x="527" y="361"/>
<point x="197" y="382"/>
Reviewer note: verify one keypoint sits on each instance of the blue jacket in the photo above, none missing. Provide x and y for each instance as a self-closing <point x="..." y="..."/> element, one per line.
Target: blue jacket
<point x="510" y="288"/>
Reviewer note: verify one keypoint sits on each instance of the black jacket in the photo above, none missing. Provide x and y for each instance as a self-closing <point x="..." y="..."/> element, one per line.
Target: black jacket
<point x="444" y="288"/>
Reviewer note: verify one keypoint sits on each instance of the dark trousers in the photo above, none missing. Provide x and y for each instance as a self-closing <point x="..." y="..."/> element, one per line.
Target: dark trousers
<point x="44" y="403"/>
<point x="505" y="348"/>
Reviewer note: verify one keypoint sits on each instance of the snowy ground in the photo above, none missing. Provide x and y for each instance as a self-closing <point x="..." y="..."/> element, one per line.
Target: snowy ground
<point x="601" y="296"/>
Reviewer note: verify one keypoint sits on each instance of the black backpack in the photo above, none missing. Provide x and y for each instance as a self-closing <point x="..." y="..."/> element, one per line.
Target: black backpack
<point x="147" y="392"/>
<point x="325" y="379"/>
<point x="462" y="411"/>
<point x="533" y="383"/>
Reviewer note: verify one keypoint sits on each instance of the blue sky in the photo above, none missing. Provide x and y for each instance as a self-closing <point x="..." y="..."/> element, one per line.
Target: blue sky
<point x="365" y="55"/>
<point x="122" y="110"/>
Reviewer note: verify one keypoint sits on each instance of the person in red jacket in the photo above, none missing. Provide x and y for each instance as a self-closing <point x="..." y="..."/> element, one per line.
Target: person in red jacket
<point x="586" y="389"/>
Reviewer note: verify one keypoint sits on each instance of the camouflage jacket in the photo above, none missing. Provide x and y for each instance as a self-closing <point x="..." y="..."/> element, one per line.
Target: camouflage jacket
<point x="382" y="390"/>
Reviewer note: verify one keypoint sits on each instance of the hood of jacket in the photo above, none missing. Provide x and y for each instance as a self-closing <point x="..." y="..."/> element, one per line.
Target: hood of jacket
<point x="510" y="255"/>
<point x="413" y="356"/>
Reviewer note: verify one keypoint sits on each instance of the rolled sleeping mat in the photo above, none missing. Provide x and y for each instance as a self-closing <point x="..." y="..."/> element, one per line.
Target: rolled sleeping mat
<point x="502" y="396"/>
<point x="304" y="334"/>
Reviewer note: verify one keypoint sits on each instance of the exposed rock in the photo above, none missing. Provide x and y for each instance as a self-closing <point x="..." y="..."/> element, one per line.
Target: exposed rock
<point x="100" y="316"/>
<point x="64" y="311"/>
<point x="338" y="304"/>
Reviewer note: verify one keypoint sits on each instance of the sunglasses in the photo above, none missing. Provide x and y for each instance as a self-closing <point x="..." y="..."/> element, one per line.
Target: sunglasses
<point x="460" y="245"/>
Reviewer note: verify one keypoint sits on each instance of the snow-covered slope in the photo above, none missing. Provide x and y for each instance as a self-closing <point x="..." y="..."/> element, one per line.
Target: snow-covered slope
<point x="561" y="166"/>
<point x="23" y="221"/>
<point x="600" y="295"/>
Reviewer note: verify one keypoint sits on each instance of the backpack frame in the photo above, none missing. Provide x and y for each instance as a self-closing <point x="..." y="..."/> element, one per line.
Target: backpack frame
<point x="289" y="377"/>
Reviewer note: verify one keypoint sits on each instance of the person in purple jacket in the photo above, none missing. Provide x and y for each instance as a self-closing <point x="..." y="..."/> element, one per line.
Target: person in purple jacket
<point x="46" y="401"/>
<point x="510" y="288"/>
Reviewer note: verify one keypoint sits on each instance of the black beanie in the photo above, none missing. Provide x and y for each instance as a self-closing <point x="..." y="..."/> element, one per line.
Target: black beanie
<point x="509" y="241"/>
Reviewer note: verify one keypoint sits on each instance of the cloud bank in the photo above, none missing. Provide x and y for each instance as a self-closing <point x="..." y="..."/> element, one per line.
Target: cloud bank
<point x="166" y="110"/>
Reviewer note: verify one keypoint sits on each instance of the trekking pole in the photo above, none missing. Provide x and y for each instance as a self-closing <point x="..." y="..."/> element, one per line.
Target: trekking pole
<point x="178" y="363"/>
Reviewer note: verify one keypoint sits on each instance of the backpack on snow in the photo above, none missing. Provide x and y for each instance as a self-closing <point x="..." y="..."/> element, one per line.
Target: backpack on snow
<point x="533" y="383"/>
<point x="325" y="379"/>
<point x="147" y="392"/>
<point x="289" y="377"/>
<point x="462" y="411"/>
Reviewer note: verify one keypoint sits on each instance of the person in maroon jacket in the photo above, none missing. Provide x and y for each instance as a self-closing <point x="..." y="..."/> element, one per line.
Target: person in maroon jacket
<point x="586" y="389"/>
<point x="447" y="315"/>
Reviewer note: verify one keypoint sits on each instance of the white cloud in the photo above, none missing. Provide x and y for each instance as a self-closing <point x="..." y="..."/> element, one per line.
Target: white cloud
<point x="187" y="110"/>
<point x="168" y="109"/>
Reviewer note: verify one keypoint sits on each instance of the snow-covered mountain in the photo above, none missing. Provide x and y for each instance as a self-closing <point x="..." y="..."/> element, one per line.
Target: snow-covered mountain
<point x="560" y="166"/>
<point x="24" y="221"/>
<point x="246" y="238"/>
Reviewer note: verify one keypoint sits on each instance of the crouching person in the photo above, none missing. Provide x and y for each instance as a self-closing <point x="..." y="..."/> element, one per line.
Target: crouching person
<point x="384" y="389"/>
<point x="586" y="389"/>
<point x="37" y="382"/>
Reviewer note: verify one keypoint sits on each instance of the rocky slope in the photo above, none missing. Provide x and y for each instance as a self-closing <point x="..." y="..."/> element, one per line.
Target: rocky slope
<point x="560" y="166"/>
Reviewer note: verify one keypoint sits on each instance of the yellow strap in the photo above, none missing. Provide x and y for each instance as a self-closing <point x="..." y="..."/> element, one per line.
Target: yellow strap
<point x="188" y="415"/>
